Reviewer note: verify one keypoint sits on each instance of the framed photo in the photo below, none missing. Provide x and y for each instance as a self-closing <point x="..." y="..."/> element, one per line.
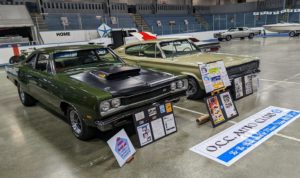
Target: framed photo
<point x="145" y="134"/>
<point x="215" y="111"/>
<point x="229" y="107"/>
<point x="248" y="84"/>
<point x="238" y="88"/>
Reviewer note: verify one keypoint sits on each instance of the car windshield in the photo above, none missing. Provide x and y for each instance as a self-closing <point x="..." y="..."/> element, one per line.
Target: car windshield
<point x="178" y="47"/>
<point x="84" y="58"/>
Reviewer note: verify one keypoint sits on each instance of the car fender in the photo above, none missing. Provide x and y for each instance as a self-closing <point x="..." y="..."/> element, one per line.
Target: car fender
<point x="195" y="77"/>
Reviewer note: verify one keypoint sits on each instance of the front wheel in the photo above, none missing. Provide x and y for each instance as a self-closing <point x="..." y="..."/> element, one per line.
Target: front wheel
<point x="251" y="36"/>
<point x="228" y="38"/>
<point x="194" y="91"/>
<point x="292" y="34"/>
<point x="25" y="98"/>
<point x="78" y="126"/>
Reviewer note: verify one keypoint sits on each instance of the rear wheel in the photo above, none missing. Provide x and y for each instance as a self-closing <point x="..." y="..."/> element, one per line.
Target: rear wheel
<point x="26" y="99"/>
<point x="228" y="38"/>
<point x="251" y="36"/>
<point x="78" y="126"/>
<point x="194" y="91"/>
<point x="292" y="34"/>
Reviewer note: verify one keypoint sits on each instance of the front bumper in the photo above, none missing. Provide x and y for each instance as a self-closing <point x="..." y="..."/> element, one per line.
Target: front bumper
<point x="125" y="116"/>
<point x="217" y="35"/>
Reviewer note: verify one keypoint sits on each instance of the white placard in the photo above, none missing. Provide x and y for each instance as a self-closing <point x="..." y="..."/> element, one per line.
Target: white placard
<point x="169" y="123"/>
<point x="238" y="86"/>
<point x="214" y="76"/>
<point x="157" y="128"/>
<point x="228" y="104"/>
<point x="235" y="142"/>
<point x="144" y="133"/>
<point x="121" y="147"/>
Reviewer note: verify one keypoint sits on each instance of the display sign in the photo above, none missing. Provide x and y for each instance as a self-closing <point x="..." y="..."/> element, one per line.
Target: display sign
<point x="238" y="88"/>
<point x="244" y="86"/>
<point x="248" y="85"/>
<point x="121" y="147"/>
<point x="235" y="142"/>
<point x="154" y="123"/>
<point x="104" y="30"/>
<point x="214" y="76"/>
<point x="221" y="108"/>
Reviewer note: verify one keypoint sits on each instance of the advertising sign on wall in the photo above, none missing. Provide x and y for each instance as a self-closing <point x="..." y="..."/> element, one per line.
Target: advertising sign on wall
<point x="235" y="142"/>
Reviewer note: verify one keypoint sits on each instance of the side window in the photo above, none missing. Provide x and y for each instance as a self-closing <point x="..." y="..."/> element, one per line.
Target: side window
<point x="133" y="50"/>
<point x="31" y="61"/>
<point x="150" y="50"/>
<point x="42" y="62"/>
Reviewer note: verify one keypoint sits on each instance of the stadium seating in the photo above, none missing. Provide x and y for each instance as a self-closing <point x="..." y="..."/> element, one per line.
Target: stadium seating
<point x="166" y="28"/>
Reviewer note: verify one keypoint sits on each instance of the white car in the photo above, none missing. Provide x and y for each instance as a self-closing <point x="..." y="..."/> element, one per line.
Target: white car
<point x="237" y="32"/>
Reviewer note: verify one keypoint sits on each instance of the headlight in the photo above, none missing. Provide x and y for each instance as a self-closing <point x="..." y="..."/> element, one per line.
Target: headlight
<point x="173" y="86"/>
<point x="179" y="84"/>
<point x="115" y="102"/>
<point x="104" y="106"/>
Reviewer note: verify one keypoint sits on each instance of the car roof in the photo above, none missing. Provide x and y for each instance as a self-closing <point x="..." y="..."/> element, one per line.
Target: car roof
<point x="68" y="48"/>
<point x="156" y="41"/>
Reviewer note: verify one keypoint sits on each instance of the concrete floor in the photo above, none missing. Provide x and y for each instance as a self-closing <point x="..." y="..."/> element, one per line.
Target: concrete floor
<point x="36" y="143"/>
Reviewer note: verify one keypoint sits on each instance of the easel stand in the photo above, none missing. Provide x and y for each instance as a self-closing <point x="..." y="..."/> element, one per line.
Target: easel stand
<point x="205" y="118"/>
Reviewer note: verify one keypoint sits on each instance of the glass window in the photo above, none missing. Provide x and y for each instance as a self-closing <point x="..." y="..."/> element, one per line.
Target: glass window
<point x="150" y="50"/>
<point x="84" y="58"/>
<point x="133" y="50"/>
<point x="31" y="61"/>
<point x="178" y="47"/>
<point x="42" y="62"/>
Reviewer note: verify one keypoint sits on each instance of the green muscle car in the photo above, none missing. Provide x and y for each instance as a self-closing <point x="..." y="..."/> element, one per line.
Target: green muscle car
<point x="182" y="56"/>
<point x="91" y="86"/>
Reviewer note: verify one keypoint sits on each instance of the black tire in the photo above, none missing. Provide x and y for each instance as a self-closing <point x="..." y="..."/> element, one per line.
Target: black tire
<point x="251" y="36"/>
<point x="14" y="59"/>
<point x="228" y="38"/>
<point x="292" y="34"/>
<point x="78" y="126"/>
<point x="220" y="39"/>
<point x="194" y="91"/>
<point x="26" y="99"/>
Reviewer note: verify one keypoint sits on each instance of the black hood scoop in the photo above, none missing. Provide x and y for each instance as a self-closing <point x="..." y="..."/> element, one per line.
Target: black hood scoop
<point x="116" y="72"/>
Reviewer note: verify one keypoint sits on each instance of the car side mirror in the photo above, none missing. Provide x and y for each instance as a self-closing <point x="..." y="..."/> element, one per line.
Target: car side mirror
<point x="16" y="59"/>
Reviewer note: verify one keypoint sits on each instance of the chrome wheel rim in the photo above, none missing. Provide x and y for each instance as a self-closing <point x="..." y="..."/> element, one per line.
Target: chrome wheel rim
<point x="22" y="95"/>
<point x="75" y="122"/>
<point x="192" y="88"/>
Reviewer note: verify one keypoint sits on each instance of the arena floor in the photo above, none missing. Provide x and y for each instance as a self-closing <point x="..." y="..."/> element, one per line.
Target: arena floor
<point x="34" y="142"/>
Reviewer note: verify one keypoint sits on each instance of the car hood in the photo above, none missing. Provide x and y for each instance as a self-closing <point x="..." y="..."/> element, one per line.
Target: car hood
<point x="122" y="80"/>
<point x="229" y="59"/>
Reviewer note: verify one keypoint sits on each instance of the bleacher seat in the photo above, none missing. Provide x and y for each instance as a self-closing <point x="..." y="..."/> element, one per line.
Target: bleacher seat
<point x="179" y="27"/>
<point x="88" y="21"/>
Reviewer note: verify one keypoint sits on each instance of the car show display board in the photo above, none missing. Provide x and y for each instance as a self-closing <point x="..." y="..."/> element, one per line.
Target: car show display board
<point x="214" y="76"/>
<point x="121" y="147"/>
<point x="154" y="122"/>
<point x="244" y="86"/>
<point x="230" y="145"/>
<point x="221" y="108"/>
